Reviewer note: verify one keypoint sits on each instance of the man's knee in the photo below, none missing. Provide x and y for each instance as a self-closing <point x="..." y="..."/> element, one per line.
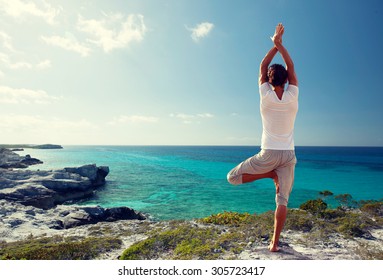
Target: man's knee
<point x="281" y="199"/>
<point x="285" y="187"/>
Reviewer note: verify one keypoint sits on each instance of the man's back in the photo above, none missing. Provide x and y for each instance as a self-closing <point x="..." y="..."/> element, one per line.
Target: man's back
<point x="278" y="117"/>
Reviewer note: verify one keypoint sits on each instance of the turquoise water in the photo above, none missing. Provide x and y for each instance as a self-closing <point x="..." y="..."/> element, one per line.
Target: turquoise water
<point x="177" y="182"/>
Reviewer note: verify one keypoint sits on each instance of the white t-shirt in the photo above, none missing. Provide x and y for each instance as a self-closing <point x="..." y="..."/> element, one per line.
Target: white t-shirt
<point x="278" y="117"/>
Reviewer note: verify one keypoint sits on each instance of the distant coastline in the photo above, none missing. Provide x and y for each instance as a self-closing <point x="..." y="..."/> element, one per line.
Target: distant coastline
<point x="30" y="146"/>
<point x="56" y="146"/>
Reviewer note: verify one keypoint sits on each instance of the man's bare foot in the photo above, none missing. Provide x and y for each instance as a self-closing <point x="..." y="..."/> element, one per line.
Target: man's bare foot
<point x="273" y="247"/>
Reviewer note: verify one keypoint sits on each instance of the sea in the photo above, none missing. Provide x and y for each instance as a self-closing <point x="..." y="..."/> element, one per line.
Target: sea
<point x="186" y="182"/>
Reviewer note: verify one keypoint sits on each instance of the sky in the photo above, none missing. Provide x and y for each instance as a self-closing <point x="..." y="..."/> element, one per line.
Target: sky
<point x="185" y="72"/>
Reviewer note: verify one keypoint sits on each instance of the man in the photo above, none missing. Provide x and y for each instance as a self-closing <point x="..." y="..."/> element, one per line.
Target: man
<point x="278" y="107"/>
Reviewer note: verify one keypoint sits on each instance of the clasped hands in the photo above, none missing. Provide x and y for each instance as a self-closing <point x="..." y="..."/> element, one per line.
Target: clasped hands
<point x="277" y="37"/>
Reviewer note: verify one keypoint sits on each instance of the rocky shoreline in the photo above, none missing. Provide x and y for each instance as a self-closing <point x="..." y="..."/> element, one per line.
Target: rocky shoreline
<point x="33" y="209"/>
<point x="31" y="201"/>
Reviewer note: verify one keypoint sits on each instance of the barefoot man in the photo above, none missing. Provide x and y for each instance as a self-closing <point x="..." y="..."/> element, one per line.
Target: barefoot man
<point x="278" y="107"/>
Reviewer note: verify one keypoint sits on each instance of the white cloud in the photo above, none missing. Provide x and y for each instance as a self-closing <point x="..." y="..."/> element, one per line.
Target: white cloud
<point x="38" y="122"/>
<point x="6" y="41"/>
<point x="6" y="61"/>
<point x="133" y="119"/>
<point x="19" y="9"/>
<point x="9" y="57"/>
<point x="44" y="64"/>
<point x="205" y="115"/>
<point x="10" y="95"/>
<point x="114" y="31"/>
<point x="201" y="30"/>
<point x="67" y="43"/>
<point x="5" y="58"/>
<point x="187" y="118"/>
<point x="39" y="129"/>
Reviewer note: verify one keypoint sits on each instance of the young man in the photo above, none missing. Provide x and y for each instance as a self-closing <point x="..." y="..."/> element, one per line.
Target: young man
<point x="278" y="107"/>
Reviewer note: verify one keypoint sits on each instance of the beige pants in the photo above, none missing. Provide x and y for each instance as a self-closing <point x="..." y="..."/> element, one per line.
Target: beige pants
<point x="282" y="161"/>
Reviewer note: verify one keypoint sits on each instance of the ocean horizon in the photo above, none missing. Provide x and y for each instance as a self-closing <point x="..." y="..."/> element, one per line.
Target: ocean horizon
<point x="186" y="182"/>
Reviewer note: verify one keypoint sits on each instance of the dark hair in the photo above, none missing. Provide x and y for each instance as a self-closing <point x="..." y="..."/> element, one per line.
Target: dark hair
<point x="277" y="75"/>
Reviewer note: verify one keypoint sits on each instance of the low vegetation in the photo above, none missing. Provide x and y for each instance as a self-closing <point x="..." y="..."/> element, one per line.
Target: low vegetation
<point x="184" y="241"/>
<point x="219" y="236"/>
<point x="58" y="248"/>
<point x="225" y="235"/>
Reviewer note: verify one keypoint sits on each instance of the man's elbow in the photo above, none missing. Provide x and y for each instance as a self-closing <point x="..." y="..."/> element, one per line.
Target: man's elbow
<point x="293" y="81"/>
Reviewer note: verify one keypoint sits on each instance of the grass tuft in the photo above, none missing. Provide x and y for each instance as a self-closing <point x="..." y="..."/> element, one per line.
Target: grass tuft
<point x="58" y="248"/>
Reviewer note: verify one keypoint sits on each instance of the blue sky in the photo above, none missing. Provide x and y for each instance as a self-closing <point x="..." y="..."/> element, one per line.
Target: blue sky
<point x="179" y="72"/>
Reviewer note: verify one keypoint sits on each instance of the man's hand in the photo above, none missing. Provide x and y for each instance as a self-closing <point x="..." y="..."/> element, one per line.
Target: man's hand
<point x="277" y="37"/>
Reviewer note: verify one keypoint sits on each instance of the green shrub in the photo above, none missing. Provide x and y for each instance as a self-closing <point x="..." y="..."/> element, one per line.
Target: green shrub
<point x="140" y="251"/>
<point x="351" y="228"/>
<point x="314" y="206"/>
<point x="354" y="225"/>
<point x="346" y="200"/>
<point x="58" y="248"/>
<point x="330" y="214"/>
<point x="229" y="240"/>
<point x="184" y="242"/>
<point x="368" y="252"/>
<point x="374" y="208"/>
<point x="229" y="218"/>
<point x="326" y="193"/>
<point x="299" y="220"/>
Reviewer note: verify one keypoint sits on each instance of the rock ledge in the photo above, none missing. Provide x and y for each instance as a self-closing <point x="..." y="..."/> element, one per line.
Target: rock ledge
<point x="30" y="198"/>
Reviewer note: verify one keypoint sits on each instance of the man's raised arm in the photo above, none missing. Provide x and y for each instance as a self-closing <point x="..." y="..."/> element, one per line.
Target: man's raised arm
<point x="263" y="68"/>
<point x="277" y="39"/>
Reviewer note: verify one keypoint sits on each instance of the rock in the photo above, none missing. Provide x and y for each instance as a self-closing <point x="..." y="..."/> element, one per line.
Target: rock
<point x="56" y="225"/>
<point x="28" y="160"/>
<point x="45" y="189"/>
<point x="10" y="159"/>
<point x="93" y="215"/>
<point x="76" y="219"/>
<point x="15" y="222"/>
<point x="30" y="194"/>
<point x="30" y="200"/>
<point x="96" y="175"/>
<point x="123" y="213"/>
<point x="30" y="212"/>
<point x="13" y="215"/>
<point x="17" y="150"/>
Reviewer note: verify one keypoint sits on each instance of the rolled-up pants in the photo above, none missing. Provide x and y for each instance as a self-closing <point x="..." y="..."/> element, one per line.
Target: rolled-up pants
<point x="282" y="161"/>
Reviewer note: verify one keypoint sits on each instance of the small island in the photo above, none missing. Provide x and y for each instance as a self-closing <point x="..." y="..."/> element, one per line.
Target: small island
<point x="18" y="147"/>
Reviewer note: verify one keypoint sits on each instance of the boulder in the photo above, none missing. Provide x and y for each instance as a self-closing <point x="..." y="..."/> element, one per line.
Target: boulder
<point x="45" y="189"/>
<point x="30" y="194"/>
<point x="10" y="159"/>
<point x="93" y="215"/>
<point x="94" y="174"/>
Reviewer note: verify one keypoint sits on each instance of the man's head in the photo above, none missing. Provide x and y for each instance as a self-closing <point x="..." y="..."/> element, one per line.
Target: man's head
<point x="277" y="75"/>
